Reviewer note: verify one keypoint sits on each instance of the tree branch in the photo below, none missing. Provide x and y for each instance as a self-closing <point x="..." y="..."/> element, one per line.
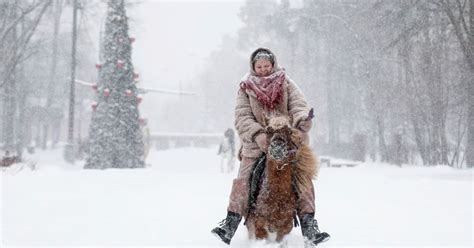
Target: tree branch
<point x="464" y="41"/>
<point x="20" y="44"/>
<point x="8" y="29"/>
<point x="462" y="20"/>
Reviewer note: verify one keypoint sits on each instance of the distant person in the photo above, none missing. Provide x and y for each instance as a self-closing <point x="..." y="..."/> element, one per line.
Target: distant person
<point x="266" y="90"/>
<point x="227" y="151"/>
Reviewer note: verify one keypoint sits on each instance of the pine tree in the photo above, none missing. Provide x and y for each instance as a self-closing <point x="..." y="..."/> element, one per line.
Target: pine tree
<point x="115" y="136"/>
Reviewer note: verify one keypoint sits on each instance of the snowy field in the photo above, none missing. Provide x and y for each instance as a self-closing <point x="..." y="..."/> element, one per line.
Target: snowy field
<point x="182" y="196"/>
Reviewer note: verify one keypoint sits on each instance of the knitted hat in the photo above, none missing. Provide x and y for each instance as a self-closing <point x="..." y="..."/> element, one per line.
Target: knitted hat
<point x="262" y="53"/>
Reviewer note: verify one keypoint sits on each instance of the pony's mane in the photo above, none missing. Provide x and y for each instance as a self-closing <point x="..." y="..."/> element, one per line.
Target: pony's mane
<point x="307" y="165"/>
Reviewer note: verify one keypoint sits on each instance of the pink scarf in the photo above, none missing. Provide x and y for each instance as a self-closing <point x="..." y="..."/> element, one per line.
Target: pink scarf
<point x="269" y="89"/>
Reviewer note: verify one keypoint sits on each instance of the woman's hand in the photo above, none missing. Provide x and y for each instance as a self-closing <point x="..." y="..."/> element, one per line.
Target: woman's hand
<point x="261" y="140"/>
<point x="305" y="125"/>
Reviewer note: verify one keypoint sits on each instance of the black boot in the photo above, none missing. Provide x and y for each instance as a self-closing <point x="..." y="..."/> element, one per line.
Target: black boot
<point x="310" y="230"/>
<point x="227" y="227"/>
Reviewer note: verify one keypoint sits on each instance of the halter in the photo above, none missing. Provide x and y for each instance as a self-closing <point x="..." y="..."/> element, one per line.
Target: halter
<point x="287" y="163"/>
<point x="290" y="153"/>
<point x="282" y="167"/>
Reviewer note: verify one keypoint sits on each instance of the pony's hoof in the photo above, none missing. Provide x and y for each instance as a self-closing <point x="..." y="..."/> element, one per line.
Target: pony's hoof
<point x="283" y="244"/>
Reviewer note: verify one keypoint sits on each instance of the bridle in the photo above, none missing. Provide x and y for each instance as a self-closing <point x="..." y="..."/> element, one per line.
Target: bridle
<point x="291" y="152"/>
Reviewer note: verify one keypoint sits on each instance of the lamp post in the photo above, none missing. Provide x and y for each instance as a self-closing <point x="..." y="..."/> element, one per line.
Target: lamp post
<point x="69" y="149"/>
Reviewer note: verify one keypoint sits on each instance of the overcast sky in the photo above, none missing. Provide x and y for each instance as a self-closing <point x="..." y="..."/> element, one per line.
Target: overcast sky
<point x="174" y="37"/>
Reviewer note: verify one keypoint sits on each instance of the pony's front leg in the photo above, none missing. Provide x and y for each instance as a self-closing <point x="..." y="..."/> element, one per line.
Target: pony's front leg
<point x="284" y="230"/>
<point x="261" y="233"/>
<point x="260" y="230"/>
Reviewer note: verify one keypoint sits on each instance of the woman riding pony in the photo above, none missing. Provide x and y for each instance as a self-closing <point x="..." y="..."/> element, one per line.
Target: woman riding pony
<point x="266" y="91"/>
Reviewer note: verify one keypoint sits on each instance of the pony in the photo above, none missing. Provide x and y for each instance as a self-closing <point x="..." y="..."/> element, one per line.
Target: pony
<point x="289" y="165"/>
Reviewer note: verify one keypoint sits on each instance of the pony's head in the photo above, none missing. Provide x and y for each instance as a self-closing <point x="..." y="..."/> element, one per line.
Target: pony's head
<point x="283" y="140"/>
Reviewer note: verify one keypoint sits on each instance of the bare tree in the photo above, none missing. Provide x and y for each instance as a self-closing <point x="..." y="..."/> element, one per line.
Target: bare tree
<point x="57" y="12"/>
<point x="18" y="22"/>
<point x="461" y="16"/>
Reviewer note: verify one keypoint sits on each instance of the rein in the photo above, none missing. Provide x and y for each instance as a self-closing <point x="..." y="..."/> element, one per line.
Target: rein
<point x="282" y="167"/>
<point x="285" y="164"/>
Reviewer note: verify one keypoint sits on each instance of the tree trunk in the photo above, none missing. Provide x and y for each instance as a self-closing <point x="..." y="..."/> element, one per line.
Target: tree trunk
<point x="9" y="113"/>
<point x="413" y="109"/>
<point x="466" y="39"/>
<point x="21" y="127"/>
<point x="470" y="89"/>
<point x="470" y="120"/>
<point x="10" y="96"/>
<point x="52" y="77"/>
<point x="382" y="144"/>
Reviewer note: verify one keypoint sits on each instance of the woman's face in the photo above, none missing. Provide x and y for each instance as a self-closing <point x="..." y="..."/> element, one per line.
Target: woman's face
<point x="263" y="67"/>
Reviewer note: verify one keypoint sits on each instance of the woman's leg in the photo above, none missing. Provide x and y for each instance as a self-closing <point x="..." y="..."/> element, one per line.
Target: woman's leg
<point x="306" y="199"/>
<point x="306" y="208"/>
<point x="240" y="188"/>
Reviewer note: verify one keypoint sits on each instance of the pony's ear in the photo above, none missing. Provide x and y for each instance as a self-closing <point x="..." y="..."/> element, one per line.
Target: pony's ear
<point x="297" y="136"/>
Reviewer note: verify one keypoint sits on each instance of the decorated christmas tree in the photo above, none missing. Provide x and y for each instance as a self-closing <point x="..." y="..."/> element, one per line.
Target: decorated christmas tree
<point x="115" y="138"/>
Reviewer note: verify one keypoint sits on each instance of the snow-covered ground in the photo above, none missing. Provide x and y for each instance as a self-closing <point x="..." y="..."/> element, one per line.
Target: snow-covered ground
<point x="182" y="196"/>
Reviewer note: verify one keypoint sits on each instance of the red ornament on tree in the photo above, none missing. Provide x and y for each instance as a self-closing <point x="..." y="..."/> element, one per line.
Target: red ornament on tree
<point x="98" y="66"/>
<point x="139" y="99"/>
<point x="142" y="121"/>
<point x="120" y="63"/>
<point x="106" y="92"/>
<point x="128" y="93"/>
<point x="136" y="76"/>
<point x="94" y="106"/>
<point x="132" y="39"/>
<point x="94" y="86"/>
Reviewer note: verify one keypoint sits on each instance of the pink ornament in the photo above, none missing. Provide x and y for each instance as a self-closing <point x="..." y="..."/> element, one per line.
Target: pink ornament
<point x="132" y="39"/>
<point x="94" y="87"/>
<point x="98" y="66"/>
<point x="94" y="106"/>
<point x="106" y="92"/>
<point x="128" y="93"/>
<point x="135" y="76"/>
<point x="142" y="121"/>
<point x="139" y="99"/>
<point x="120" y="63"/>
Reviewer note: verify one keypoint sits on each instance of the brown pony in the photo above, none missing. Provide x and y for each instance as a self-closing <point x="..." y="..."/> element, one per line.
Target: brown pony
<point x="289" y="165"/>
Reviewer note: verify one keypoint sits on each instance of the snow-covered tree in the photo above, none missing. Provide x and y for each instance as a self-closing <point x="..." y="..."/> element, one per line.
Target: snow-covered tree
<point x="115" y="136"/>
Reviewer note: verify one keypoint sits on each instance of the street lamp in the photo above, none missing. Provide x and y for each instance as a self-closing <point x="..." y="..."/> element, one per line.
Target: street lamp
<point x="69" y="154"/>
